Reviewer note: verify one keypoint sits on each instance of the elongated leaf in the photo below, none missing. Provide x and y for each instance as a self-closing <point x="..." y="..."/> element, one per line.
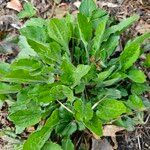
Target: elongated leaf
<point x="7" y="88"/>
<point x="99" y="35"/>
<point x="95" y="125"/>
<point x="87" y="7"/>
<point x="80" y="72"/>
<point x="135" y="103"/>
<point x="85" y="28"/>
<point x="83" y="112"/>
<point x="137" y="76"/>
<point x="51" y="146"/>
<point x="22" y="76"/>
<point x="67" y="144"/>
<point x="37" y="139"/>
<point x="129" y="56"/>
<point x="110" y="109"/>
<point x="121" y="26"/>
<point x="58" y="31"/>
<point x="26" y="118"/>
<point x="4" y="68"/>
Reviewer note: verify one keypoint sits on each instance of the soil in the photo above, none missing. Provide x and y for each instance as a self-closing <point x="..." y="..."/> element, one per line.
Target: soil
<point x="139" y="139"/>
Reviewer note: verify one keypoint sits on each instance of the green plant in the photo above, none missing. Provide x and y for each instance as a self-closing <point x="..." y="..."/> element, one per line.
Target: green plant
<point x="68" y="76"/>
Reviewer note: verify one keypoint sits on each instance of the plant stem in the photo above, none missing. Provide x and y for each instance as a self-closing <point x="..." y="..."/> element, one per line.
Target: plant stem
<point x="96" y="104"/>
<point x="64" y="106"/>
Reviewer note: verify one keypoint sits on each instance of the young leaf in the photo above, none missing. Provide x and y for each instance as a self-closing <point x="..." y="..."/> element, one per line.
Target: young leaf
<point x="58" y="31"/>
<point x="135" y="103"/>
<point x="51" y="146"/>
<point x="137" y="76"/>
<point x="121" y="26"/>
<point x="83" y="112"/>
<point x="87" y="7"/>
<point x="29" y="11"/>
<point x="37" y="139"/>
<point x="26" y="118"/>
<point x="67" y="144"/>
<point x="110" y="109"/>
<point x="7" y="88"/>
<point x="85" y="29"/>
<point x="99" y="35"/>
<point x="95" y="125"/>
<point x="80" y="72"/>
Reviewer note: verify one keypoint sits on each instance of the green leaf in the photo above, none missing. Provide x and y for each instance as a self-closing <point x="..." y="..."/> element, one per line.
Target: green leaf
<point x="67" y="144"/>
<point x="110" y="109"/>
<point x="129" y="55"/>
<point x="28" y="12"/>
<point x="35" y="33"/>
<point x="26" y="64"/>
<point x="59" y="31"/>
<point x="51" y="146"/>
<point x="68" y="71"/>
<point x="80" y="72"/>
<point x="95" y="125"/>
<point x="83" y="112"/>
<point x="37" y="139"/>
<point x="4" y="68"/>
<point x="99" y="35"/>
<point x="85" y="29"/>
<point x="123" y="25"/>
<point x="135" y="103"/>
<point x="26" y="50"/>
<point x="87" y="7"/>
<point x="7" y="88"/>
<point x="22" y="76"/>
<point x="137" y="76"/>
<point x="26" y="118"/>
<point x="105" y="74"/>
<point x="139" y="89"/>
<point x="147" y="61"/>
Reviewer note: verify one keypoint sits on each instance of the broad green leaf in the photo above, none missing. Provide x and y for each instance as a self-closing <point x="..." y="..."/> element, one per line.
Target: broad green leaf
<point x="85" y="29"/>
<point x="138" y="89"/>
<point x="123" y="25"/>
<point x="51" y="146"/>
<point x="58" y="31"/>
<point x="97" y="16"/>
<point x="95" y="126"/>
<point x="99" y="35"/>
<point x="67" y="144"/>
<point x="26" y="64"/>
<point x="135" y="103"/>
<point x="68" y="69"/>
<point x="22" y="76"/>
<point x="80" y="72"/>
<point x="7" y="88"/>
<point x="105" y="74"/>
<point x="37" y="139"/>
<point x="40" y="22"/>
<point x="87" y="7"/>
<point x="129" y="56"/>
<point x="137" y="76"/>
<point x="34" y="32"/>
<point x="110" y="109"/>
<point x="79" y="88"/>
<point x="4" y="68"/>
<point x="131" y="51"/>
<point x="26" y="118"/>
<point x="83" y="112"/>
<point x="28" y="11"/>
<point x="26" y="50"/>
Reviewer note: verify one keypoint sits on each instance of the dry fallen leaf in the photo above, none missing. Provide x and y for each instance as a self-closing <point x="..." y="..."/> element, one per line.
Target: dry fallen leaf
<point x="111" y="130"/>
<point x="15" y="5"/>
<point x="30" y="129"/>
<point x="77" y="4"/>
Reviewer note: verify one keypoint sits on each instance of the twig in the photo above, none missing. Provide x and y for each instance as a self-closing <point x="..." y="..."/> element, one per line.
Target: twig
<point x="64" y="106"/>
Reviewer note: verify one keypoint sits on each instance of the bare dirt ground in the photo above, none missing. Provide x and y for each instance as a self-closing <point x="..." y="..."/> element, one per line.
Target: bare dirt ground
<point x="119" y="9"/>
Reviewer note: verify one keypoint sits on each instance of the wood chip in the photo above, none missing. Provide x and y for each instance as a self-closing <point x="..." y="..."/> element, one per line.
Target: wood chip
<point x="15" y="5"/>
